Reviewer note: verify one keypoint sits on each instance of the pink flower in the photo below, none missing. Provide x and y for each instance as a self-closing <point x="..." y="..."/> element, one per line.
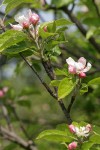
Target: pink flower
<point x="72" y="146"/>
<point x="23" y="20"/>
<point x="33" y="18"/>
<point x="1" y="93"/>
<point x="79" y="67"/>
<point x="72" y="128"/>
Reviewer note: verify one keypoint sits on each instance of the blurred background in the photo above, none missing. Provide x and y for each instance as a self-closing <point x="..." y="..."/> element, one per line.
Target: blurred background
<point x="36" y="110"/>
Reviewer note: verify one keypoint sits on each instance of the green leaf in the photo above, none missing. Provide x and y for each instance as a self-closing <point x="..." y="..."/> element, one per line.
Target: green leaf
<point x="96" y="129"/>
<point x="65" y="88"/>
<point x="95" y="21"/>
<point x="56" y="51"/>
<point x="20" y="47"/>
<point x="60" y="3"/>
<point x="55" y="82"/>
<point x="95" y="139"/>
<point x="11" y="37"/>
<point x="58" y="23"/>
<point x="90" y="33"/>
<point x="84" y="88"/>
<point x="61" y="29"/>
<point x="61" y="72"/>
<point x="11" y="4"/>
<point x="87" y="145"/>
<point x="95" y="81"/>
<point x="63" y="22"/>
<point x="44" y="34"/>
<point x="55" y="135"/>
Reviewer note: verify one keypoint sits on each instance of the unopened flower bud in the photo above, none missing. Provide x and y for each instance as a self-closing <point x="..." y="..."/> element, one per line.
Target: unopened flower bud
<point x="45" y="28"/>
<point x="72" y="128"/>
<point x="88" y="127"/>
<point x="26" y="25"/>
<point x="34" y="19"/>
<point x="82" y="75"/>
<point x="1" y="93"/>
<point x="72" y="146"/>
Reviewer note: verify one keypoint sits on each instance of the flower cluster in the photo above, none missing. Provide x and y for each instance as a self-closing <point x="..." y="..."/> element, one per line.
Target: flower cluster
<point x="79" y="67"/>
<point x="25" y="21"/>
<point x="81" y="132"/>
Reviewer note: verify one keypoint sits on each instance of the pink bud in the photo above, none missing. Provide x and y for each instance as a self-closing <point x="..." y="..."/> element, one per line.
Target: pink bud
<point x="1" y="93"/>
<point x="34" y="19"/>
<point x="72" y="146"/>
<point x="88" y="127"/>
<point x="71" y="69"/>
<point x="26" y="25"/>
<point x="72" y="128"/>
<point x="82" y="75"/>
<point x="45" y="28"/>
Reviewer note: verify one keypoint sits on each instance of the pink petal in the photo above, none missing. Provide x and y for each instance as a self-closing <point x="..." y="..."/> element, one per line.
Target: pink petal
<point x="72" y="128"/>
<point x="82" y="60"/>
<point x="87" y="68"/>
<point x="72" y="69"/>
<point x="70" y="61"/>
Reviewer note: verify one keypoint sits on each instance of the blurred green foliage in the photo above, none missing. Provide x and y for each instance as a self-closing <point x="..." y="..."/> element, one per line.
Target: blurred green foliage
<point x="37" y="110"/>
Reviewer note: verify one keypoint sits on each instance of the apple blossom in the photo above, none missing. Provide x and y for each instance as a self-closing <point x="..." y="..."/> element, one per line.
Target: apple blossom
<point x="79" y="67"/>
<point x="80" y="131"/>
<point x="25" y="21"/>
<point x="33" y="18"/>
<point x="22" y="19"/>
<point x="72" y="146"/>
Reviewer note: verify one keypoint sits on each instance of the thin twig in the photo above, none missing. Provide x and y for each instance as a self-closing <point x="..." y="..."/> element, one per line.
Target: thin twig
<point x="71" y="103"/>
<point x="81" y="28"/>
<point x="20" y="122"/>
<point x="6" y="116"/>
<point x="13" y="137"/>
<point x="41" y="80"/>
<point x="49" y="70"/>
<point x="73" y="6"/>
<point x="65" y="111"/>
<point x="96" y="7"/>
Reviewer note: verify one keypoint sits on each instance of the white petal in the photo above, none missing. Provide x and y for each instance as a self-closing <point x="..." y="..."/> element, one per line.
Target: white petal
<point x="17" y="27"/>
<point x="29" y="13"/>
<point x="79" y="67"/>
<point x="82" y="60"/>
<point x="70" y="61"/>
<point x="21" y="18"/>
<point x="88" y="67"/>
